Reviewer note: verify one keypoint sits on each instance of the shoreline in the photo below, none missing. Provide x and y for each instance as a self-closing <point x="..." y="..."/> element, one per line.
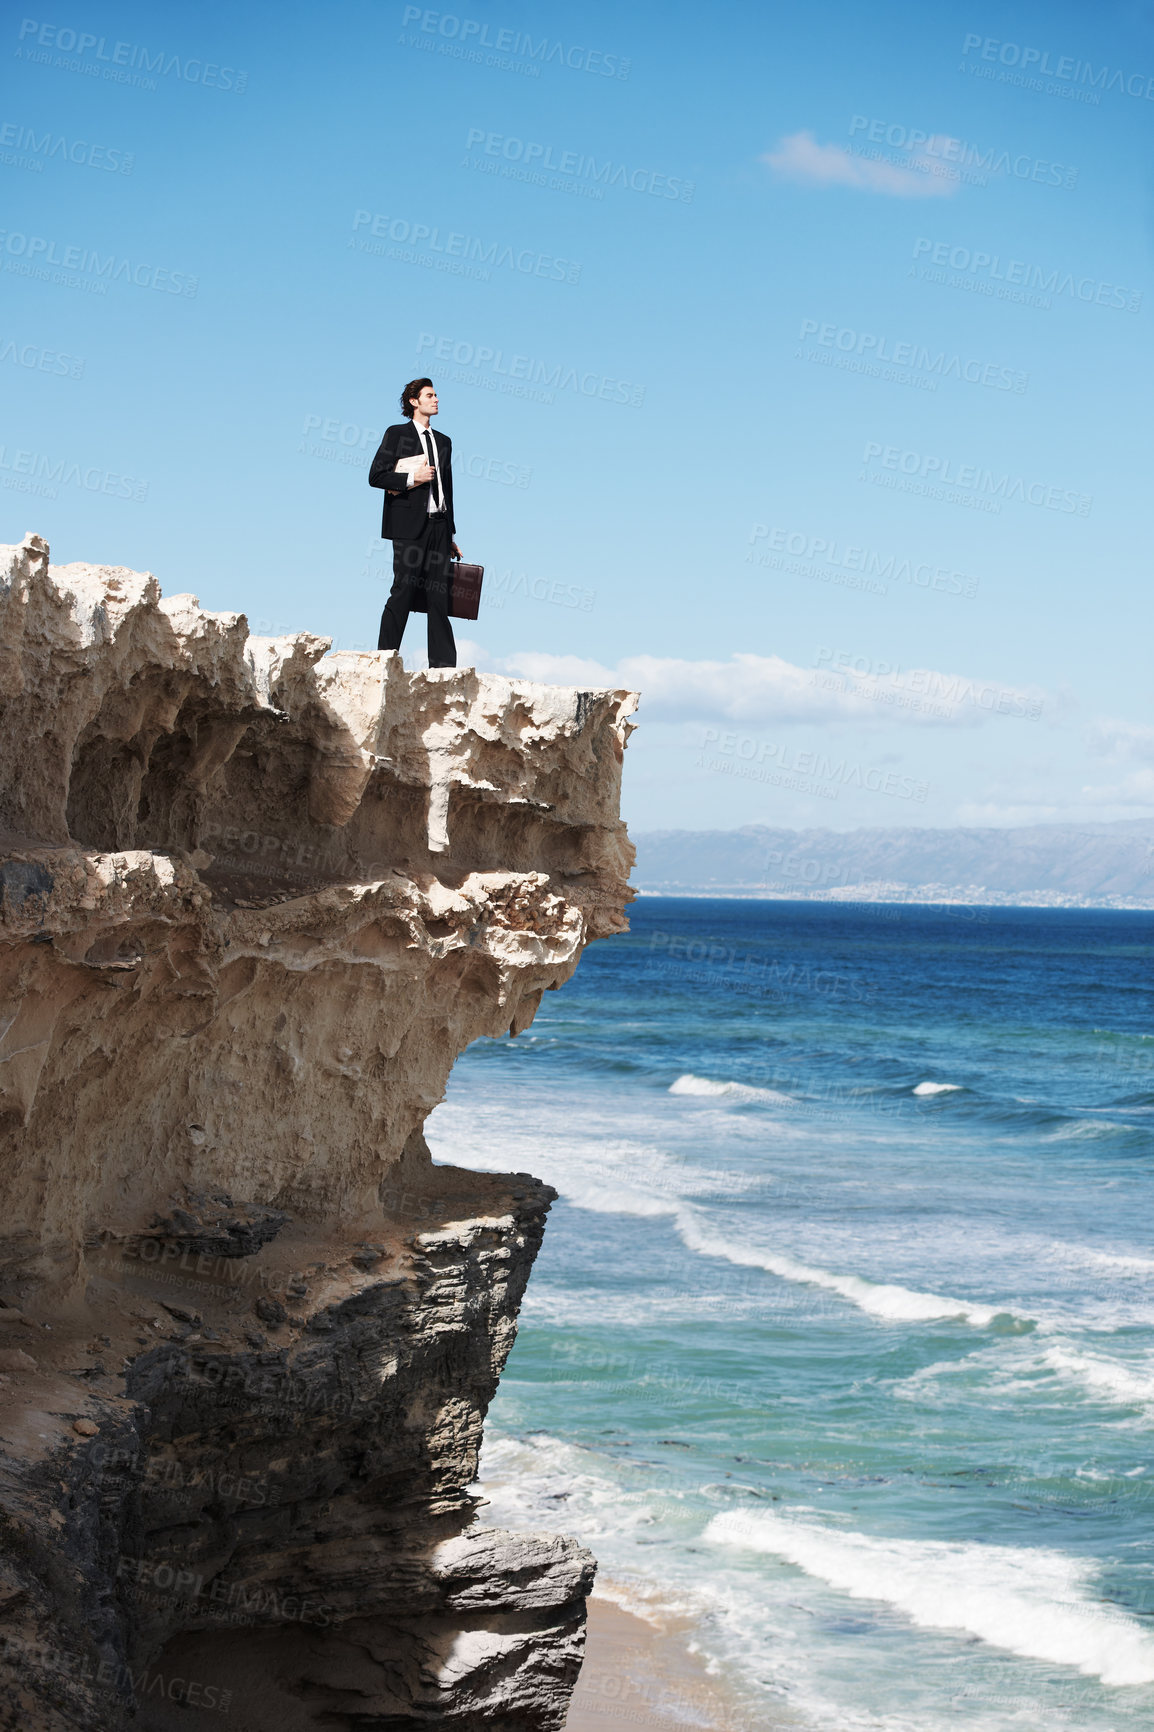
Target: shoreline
<point x="639" y="1673"/>
<point x="860" y="898"/>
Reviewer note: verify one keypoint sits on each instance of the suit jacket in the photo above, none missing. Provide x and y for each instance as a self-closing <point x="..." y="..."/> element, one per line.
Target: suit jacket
<point x="406" y="508"/>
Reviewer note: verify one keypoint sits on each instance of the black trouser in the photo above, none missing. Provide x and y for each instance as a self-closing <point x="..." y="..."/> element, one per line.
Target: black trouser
<point x="421" y="576"/>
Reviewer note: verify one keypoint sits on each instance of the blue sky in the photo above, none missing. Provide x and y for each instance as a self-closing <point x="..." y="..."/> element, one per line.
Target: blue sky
<point x="796" y="362"/>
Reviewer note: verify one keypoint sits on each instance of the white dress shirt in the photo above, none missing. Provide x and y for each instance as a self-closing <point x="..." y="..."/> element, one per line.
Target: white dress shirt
<point x="436" y="498"/>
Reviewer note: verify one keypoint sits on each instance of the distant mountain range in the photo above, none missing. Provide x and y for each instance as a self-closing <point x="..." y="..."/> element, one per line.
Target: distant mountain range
<point x="1061" y="865"/>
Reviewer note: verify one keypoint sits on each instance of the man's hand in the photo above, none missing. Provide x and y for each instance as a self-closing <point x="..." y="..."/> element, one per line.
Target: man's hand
<point x="456" y="551"/>
<point x="423" y="472"/>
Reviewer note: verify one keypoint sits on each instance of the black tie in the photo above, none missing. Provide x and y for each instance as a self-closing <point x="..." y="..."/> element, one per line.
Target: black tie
<point x="432" y="459"/>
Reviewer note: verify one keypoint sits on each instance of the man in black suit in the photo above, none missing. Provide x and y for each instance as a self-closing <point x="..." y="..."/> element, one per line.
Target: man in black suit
<point x="418" y="520"/>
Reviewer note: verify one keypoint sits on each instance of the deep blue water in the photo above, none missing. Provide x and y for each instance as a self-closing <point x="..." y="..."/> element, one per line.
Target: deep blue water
<point x="842" y="1336"/>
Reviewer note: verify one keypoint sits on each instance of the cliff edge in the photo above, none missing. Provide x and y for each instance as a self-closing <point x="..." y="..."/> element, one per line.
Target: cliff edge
<point x="254" y="900"/>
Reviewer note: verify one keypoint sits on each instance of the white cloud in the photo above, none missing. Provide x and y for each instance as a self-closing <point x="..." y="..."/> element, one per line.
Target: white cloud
<point x="799" y="157"/>
<point x="752" y="688"/>
<point x="560" y="670"/>
<point x="1112" y="738"/>
<point x="1134" y="790"/>
<point x="997" y="815"/>
<point x="471" y="654"/>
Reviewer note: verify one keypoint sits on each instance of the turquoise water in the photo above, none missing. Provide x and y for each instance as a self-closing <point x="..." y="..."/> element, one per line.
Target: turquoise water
<point x="842" y="1336"/>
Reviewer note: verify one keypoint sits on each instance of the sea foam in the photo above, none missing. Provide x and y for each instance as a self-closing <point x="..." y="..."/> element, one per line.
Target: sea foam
<point x="1106" y="1379"/>
<point x="1032" y="1601"/>
<point x="626" y="1177"/>
<point x="734" y="1091"/>
<point x="880" y="1298"/>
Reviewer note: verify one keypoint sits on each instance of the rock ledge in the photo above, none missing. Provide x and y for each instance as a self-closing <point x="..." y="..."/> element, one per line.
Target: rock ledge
<point x="254" y="900"/>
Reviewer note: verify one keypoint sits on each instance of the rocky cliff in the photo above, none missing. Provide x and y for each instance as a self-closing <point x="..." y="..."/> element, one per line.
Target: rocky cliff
<point x="254" y="900"/>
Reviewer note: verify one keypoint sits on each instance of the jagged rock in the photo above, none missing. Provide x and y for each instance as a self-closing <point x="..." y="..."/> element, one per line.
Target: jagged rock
<point x="254" y="899"/>
<point x="217" y="1227"/>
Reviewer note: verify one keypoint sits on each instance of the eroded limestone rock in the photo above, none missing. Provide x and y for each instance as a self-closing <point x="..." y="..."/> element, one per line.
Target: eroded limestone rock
<point x="254" y="900"/>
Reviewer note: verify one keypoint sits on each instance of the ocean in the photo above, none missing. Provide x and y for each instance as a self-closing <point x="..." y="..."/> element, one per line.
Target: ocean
<point x="841" y="1341"/>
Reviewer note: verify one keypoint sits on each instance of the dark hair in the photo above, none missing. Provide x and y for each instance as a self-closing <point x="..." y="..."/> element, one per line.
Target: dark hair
<point x="412" y="389"/>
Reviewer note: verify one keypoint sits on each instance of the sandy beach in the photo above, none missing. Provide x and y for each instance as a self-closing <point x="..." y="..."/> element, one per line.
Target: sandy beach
<point x="639" y="1674"/>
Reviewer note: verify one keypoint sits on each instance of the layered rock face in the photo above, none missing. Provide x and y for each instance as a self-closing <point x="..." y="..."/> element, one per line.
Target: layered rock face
<point x="255" y="900"/>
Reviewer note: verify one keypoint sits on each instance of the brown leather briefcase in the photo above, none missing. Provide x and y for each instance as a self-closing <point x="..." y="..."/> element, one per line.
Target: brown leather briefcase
<point x="465" y="596"/>
<point x="464" y="593"/>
